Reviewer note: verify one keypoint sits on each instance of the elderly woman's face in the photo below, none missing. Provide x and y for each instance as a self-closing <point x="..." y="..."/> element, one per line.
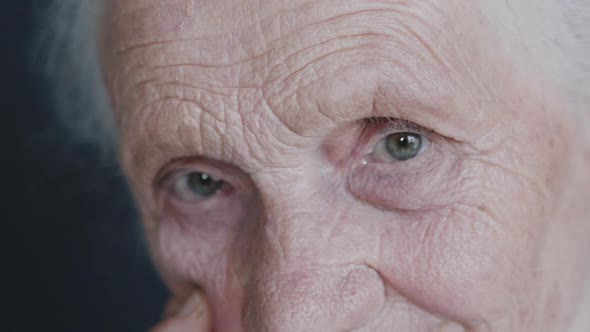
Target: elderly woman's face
<point x="341" y="165"/>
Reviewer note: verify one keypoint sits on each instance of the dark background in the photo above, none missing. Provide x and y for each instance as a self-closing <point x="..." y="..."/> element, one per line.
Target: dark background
<point x="75" y="260"/>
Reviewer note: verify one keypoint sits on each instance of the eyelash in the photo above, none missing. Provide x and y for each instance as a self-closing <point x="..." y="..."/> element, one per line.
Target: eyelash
<point x="375" y="130"/>
<point x="388" y="123"/>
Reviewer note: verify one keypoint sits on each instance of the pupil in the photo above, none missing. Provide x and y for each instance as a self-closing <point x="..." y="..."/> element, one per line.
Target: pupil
<point x="205" y="179"/>
<point x="403" y="142"/>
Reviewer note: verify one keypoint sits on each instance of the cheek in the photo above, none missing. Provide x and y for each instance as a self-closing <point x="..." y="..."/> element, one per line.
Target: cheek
<point x="195" y="246"/>
<point x="472" y="259"/>
<point x="447" y="261"/>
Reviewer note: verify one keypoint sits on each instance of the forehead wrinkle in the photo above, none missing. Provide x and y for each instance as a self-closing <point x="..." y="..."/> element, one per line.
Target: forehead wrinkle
<point x="177" y="126"/>
<point x="310" y="82"/>
<point x="276" y="52"/>
<point x="272" y="53"/>
<point x="243" y="18"/>
<point x="280" y="31"/>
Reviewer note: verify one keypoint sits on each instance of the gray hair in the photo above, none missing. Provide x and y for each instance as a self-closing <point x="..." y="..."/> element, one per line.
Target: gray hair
<point x="67" y="53"/>
<point x="70" y="43"/>
<point x="577" y="74"/>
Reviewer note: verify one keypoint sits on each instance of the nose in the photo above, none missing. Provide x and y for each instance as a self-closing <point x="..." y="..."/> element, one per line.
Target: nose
<point x="338" y="298"/>
<point x="307" y="272"/>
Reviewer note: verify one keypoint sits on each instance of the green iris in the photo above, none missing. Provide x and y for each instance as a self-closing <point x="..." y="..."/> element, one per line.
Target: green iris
<point x="403" y="146"/>
<point x="203" y="185"/>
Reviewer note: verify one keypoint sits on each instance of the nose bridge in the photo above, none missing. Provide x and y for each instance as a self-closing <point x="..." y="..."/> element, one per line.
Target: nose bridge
<point x="297" y="224"/>
<point x="298" y="282"/>
<point x="294" y="222"/>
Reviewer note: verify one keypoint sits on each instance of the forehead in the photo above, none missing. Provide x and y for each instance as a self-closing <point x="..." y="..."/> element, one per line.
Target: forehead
<point x="179" y="20"/>
<point x="221" y="77"/>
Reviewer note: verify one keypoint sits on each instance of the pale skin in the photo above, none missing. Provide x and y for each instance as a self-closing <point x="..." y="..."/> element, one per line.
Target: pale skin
<point x="314" y="225"/>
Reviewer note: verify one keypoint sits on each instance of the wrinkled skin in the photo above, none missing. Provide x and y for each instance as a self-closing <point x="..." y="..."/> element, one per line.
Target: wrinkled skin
<point x="485" y="230"/>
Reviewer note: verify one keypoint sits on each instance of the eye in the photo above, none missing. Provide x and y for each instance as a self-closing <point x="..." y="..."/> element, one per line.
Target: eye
<point x="399" y="147"/>
<point x="196" y="185"/>
<point x="403" y="146"/>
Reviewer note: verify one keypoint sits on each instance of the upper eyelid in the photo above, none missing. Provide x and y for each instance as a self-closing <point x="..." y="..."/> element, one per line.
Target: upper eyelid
<point x="177" y="166"/>
<point x="375" y="129"/>
<point x="386" y="123"/>
<point x="167" y="179"/>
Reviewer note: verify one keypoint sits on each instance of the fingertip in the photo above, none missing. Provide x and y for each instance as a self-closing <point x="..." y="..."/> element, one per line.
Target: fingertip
<point x="192" y="315"/>
<point x="190" y="324"/>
